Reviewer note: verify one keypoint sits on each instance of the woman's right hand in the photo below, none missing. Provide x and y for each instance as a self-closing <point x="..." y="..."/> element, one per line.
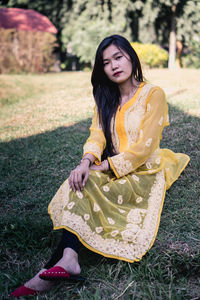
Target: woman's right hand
<point x="79" y="176"/>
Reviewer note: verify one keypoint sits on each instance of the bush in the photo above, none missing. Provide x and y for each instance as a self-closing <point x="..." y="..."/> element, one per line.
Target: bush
<point x="23" y="51"/>
<point x="151" y="55"/>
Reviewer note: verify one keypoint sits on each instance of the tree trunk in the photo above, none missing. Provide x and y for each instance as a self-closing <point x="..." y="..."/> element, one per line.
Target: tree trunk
<point x="172" y="40"/>
<point x="179" y="52"/>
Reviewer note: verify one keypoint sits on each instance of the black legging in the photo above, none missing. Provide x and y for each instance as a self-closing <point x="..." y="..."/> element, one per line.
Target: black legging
<point x="68" y="240"/>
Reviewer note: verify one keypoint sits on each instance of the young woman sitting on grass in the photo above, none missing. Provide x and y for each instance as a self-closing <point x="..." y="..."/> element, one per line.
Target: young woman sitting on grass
<point x="112" y="201"/>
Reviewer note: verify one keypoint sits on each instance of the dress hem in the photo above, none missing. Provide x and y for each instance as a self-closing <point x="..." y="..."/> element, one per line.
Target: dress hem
<point x="182" y="169"/>
<point x="111" y="255"/>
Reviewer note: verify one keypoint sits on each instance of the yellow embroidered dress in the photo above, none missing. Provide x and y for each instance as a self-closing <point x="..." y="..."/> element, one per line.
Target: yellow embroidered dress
<point x="118" y="213"/>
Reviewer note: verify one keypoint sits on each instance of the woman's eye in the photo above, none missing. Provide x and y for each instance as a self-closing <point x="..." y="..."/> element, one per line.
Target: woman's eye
<point x="105" y="64"/>
<point x="118" y="57"/>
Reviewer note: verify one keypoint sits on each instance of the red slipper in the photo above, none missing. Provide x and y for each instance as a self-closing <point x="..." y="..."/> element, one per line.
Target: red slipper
<point x="58" y="273"/>
<point x="23" y="291"/>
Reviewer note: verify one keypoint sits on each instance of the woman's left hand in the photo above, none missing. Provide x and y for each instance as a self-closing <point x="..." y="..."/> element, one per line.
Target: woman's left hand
<point x="104" y="166"/>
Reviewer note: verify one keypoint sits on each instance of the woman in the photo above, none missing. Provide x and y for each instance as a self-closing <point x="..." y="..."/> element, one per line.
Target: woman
<point x="112" y="201"/>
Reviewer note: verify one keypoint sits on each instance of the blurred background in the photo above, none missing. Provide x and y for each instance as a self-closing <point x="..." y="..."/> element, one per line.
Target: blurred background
<point x="42" y="36"/>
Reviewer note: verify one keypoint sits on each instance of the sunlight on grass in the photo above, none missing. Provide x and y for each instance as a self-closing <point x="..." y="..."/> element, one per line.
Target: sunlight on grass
<point x="46" y="102"/>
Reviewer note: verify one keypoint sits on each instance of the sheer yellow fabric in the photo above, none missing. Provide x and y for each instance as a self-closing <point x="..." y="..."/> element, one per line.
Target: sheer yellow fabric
<point x="118" y="213"/>
<point x="96" y="142"/>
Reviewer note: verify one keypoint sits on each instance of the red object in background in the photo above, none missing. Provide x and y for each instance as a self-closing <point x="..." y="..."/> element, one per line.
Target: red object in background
<point x="25" y="20"/>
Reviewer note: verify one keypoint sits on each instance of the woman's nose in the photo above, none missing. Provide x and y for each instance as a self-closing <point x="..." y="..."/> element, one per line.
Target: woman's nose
<point x="114" y="65"/>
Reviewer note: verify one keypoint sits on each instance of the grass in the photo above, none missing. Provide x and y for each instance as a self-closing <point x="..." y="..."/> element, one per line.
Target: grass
<point x="43" y="125"/>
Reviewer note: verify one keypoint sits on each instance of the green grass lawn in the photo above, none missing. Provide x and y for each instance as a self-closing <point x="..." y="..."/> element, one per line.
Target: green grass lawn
<point x="44" y="121"/>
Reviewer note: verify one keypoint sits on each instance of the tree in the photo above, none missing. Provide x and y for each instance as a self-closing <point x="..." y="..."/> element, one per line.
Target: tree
<point x="91" y="21"/>
<point x="168" y="21"/>
<point x="82" y="24"/>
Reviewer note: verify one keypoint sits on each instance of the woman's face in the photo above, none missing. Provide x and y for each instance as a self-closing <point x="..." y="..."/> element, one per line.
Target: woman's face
<point x="117" y="64"/>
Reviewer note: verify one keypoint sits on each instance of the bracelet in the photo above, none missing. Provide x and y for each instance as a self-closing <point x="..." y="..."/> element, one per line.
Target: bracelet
<point x="84" y="158"/>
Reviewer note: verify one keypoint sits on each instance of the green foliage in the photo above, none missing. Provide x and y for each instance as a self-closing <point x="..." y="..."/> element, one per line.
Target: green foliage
<point x="93" y="20"/>
<point x="192" y="60"/>
<point x="188" y="25"/>
<point x="26" y="51"/>
<point x="82" y="24"/>
<point x="151" y="55"/>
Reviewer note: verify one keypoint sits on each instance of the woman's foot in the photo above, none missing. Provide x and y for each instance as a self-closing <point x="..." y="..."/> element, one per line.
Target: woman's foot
<point x="67" y="268"/>
<point x="33" y="286"/>
<point x="69" y="262"/>
<point x="38" y="284"/>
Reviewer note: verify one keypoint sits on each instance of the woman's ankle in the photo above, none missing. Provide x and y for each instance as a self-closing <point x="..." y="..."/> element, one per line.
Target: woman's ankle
<point x="69" y="262"/>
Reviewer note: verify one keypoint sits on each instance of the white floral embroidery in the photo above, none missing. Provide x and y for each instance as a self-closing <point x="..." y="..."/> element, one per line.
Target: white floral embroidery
<point x="134" y="115"/>
<point x="135" y="177"/>
<point x="148" y="142"/>
<point x="158" y="160"/>
<point x="86" y="217"/>
<point x="167" y="169"/>
<point x="139" y="199"/>
<point x="114" y="233"/>
<point x="132" y="226"/>
<point x="122" y="164"/>
<point x="106" y="188"/>
<point x="167" y="118"/>
<point x="111" y="221"/>
<point x="130" y="234"/>
<point x="99" y="229"/>
<point x="141" y="133"/>
<point x="120" y="199"/>
<point x="148" y="165"/>
<point x="122" y="181"/>
<point x="135" y="215"/>
<point x="92" y="148"/>
<point x="79" y="195"/>
<point x="108" y="179"/>
<point x="107" y="244"/>
<point x="148" y="107"/>
<point x="98" y="174"/>
<point x="71" y="205"/>
<point x="96" y="207"/>
<point x="161" y="121"/>
<point x="122" y="211"/>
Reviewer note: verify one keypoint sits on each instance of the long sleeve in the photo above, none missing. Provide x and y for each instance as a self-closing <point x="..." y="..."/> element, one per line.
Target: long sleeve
<point x="96" y="142"/>
<point x="152" y="124"/>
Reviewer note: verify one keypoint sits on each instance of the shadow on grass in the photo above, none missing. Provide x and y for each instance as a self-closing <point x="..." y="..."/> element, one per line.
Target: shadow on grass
<point x="32" y="170"/>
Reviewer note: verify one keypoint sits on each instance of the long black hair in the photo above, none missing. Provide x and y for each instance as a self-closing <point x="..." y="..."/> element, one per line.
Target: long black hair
<point x="106" y="93"/>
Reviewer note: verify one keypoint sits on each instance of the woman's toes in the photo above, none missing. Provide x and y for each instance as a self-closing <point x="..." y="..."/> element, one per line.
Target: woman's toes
<point x="38" y="284"/>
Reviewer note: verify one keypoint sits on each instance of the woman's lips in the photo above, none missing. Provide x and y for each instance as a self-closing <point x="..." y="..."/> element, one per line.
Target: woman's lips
<point x="116" y="74"/>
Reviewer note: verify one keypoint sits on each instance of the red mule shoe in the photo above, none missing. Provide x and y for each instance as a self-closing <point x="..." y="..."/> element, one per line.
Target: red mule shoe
<point x="58" y="273"/>
<point x="23" y="291"/>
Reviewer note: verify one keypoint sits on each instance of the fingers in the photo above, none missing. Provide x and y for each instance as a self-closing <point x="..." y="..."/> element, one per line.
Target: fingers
<point x="78" y="179"/>
<point x="85" y="178"/>
<point x="74" y="181"/>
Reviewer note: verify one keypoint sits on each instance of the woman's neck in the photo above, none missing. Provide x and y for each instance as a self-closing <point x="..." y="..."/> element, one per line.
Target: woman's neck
<point x="128" y="89"/>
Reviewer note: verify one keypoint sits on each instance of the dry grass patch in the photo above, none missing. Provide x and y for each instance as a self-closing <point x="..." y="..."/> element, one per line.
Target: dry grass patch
<point x="182" y="87"/>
